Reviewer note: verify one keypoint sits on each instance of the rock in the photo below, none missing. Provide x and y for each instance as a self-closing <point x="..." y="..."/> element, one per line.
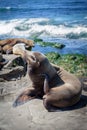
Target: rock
<point x="13" y="73"/>
<point x="1" y="57"/>
<point x="14" y="69"/>
<point x="0" y="48"/>
<point x="32" y="115"/>
<point x="52" y="44"/>
<point x="83" y="80"/>
<point x="15" y="61"/>
<point x="2" y="61"/>
<point x="73" y="57"/>
<point x="85" y="85"/>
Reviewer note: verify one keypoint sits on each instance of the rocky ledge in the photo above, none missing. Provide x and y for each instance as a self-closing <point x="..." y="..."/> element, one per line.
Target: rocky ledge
<point x="14" y="69"/>
<point x="32" y="115"/>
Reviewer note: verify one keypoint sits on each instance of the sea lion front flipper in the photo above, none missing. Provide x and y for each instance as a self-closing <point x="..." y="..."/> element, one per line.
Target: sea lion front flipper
<point x="46" y="84"/>
<point x="24" y="97"/>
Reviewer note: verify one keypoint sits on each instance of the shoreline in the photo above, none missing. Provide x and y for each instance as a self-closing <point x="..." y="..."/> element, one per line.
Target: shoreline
<point x="51" y="44"/>
<point x="70" y="46"/>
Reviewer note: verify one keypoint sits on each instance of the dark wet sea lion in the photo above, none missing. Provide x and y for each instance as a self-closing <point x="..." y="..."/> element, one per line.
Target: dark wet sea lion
<point x="57" y="87"/>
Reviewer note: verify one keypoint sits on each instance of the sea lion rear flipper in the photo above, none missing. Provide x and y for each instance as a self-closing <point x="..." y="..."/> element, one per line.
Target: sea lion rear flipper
<point x="24" y="97"/>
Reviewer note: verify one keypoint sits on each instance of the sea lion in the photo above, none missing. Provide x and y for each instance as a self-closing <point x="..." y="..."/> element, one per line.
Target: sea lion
<point x="55" y="85"/>
<point x="64" y="90"/>
<point x="7" y="44"/>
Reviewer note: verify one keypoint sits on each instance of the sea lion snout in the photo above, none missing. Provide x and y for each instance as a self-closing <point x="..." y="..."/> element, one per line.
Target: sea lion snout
<point x="32" y="61"/>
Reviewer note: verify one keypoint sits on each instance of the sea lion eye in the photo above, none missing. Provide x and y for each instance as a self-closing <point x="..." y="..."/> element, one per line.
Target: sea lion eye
<point x="33" y="58"/>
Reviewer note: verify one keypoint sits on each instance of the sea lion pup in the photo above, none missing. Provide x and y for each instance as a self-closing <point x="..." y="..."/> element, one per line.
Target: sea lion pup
<point x="7" y="44"/>
<point x="57" y="87"/>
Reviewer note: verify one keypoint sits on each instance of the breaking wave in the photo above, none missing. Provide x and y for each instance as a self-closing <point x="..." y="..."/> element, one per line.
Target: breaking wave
<point x="41" y="27"/>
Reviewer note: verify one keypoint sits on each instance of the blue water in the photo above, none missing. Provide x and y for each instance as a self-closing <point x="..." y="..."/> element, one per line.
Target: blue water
<point x="52" y="20"/>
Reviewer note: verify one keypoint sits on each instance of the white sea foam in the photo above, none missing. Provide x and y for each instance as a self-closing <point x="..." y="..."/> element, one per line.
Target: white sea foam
<point x="36" y="20"/>
<point x="8" y="8"/>
<point x="30" y="27"/>
<point x="5" y="8"/>
<point x="85" y="17"/>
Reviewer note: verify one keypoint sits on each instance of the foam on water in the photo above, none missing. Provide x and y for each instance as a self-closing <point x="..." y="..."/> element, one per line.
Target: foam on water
<point x="5" y="8"/>
<point x="34" y="26"/>
<point x="51" y="20"/>
<point x="85" y="17"/>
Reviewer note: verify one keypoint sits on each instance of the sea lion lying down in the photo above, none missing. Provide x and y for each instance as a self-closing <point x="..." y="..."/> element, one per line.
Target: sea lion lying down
<point x="6" y="46"/>
<point x="55" y="85"/>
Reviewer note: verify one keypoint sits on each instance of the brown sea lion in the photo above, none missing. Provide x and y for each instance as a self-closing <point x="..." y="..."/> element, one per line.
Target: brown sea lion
<point x="7" y="44"/>
<point x="56" y="86"/>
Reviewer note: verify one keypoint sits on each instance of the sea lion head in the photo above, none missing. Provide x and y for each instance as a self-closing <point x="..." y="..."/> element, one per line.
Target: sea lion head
<point x="36" y="59"/>
<point x="38" y="64"/>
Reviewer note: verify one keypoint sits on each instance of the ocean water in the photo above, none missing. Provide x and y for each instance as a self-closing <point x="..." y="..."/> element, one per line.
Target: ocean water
<point x="62" y="21"/>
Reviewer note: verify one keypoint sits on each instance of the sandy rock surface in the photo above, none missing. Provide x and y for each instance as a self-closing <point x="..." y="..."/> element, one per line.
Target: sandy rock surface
<point x="32" y="115"/>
